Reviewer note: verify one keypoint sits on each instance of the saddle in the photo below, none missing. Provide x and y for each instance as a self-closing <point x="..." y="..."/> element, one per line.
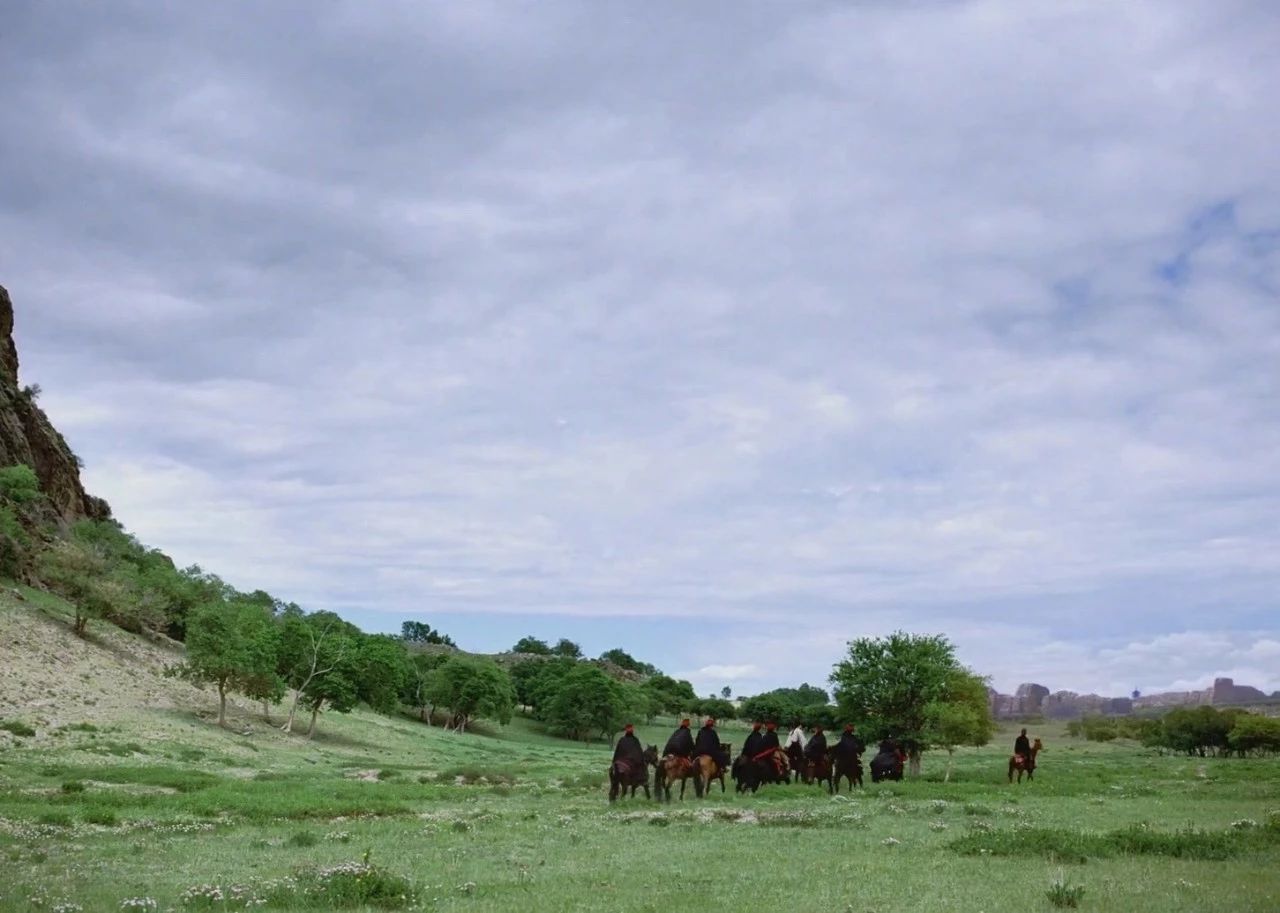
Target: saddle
<point x="682" y="765"/>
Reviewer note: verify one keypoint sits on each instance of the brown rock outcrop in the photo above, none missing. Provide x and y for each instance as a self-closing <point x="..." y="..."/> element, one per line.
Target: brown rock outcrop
<point x="27" y="436"/>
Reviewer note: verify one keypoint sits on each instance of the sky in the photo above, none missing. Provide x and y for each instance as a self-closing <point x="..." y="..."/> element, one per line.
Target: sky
<point x="722" y="332"/>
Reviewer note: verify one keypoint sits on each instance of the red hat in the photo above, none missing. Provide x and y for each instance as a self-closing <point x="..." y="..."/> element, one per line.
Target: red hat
<point x="771" y="725"/>
<point x="817" y="728"/>
<point x="755" y="725"/>
<point x="684" y="722"/>
<point x="628" y="728"/>
<point x="711" y="721"/>
<point x="848" y="727"/>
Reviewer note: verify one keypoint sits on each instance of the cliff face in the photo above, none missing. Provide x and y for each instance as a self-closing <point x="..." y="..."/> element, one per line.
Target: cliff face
<point x="1032" y="699"/>
<point x="26" y="436"/>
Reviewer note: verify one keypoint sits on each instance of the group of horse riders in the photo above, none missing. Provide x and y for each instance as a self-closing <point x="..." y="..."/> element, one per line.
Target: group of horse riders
<point x="760" y="746"/>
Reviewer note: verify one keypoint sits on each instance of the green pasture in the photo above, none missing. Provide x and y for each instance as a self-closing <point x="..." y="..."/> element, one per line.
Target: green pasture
<point x="516" y="820"/>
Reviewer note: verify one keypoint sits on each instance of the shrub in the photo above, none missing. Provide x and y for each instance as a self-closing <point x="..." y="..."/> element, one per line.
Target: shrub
<point x="21" y="730"/>
<point x="72" y="787"/>
<point x="19" y="484"/>
<point x="103" y="816"/>
<point x="1063" y="894"/>
<point x="350" y="884"/>
<point x="303" y="839"/>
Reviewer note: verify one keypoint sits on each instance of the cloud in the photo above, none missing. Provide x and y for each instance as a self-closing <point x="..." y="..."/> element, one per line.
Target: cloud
<point x="825" y="322"/>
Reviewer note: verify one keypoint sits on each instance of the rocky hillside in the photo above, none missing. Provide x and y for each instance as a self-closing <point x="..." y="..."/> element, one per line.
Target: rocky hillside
<point x="1036" y="700"/>
<point x="27" y="436"/>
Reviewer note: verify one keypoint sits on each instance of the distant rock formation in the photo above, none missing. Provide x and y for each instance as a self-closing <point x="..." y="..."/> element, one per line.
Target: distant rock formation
<point x="27" y="436"/>
<point x="1031" y="699"/>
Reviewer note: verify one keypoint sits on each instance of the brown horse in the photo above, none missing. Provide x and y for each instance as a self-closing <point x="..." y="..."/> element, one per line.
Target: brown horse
<point x="627" y="774"/>
<point x="667" y="771"/>
<point x="1023" y="764"/>
<point x="818" y="770"/>
<point x="706" y="768"/>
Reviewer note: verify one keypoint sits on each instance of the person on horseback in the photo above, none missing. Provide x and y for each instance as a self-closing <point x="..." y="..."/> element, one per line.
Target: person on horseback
<point x="681" y="742"/>
<point x="849" y="746"/>
<point x="1022" y="746"/>
<point x="708" y="742"/>
<point x="629" y="748"/>
<point x="770" y="740"/>
<point x="816" y="747"/>
<point x="796" y="737"/>
<point x="754" y="743"/>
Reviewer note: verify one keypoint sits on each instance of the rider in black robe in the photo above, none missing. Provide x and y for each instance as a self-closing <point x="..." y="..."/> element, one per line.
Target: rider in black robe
<point x="754" y="743"/>
<point x="816" y="747"/>
<point x="849" y="746"/>
<point x="681" y="742"/>
<point x="770" y="740"/>
<point x="629" y="748"/>
<point x="1022" y="745"/>
<point x="708" y="741"/>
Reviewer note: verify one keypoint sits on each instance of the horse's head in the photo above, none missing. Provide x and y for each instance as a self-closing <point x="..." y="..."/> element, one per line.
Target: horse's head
<point x="1036" y="746"/>
<point x="651" y="755"/>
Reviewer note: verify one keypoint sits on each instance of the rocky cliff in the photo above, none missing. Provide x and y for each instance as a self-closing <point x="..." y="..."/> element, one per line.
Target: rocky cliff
<point x="26" y="436"/>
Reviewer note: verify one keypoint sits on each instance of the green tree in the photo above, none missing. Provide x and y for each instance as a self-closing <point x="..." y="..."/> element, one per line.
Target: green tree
<point x="473" y="688"/>
<point x="19" y="484"/>
<point x="962" y="718"/>
<point x="382" y="665"/>
<point x="532" y="645"/>
<point x="312" y="648"/>
<point x="624" y="660"/>
<point x="590" y="704"/>
<point x="419" y="632"/>
<point x="80" y="573"/>
<point x="566" y="647"/>
<point x="416" y="691"/>
<point x="233" y="647"/>
<point x="889" y="685"/>
<point x="668" y="695"/>
<point x="719" y="708"/>
<point x="726" y="692"/>
<point x="1253" y="734"/>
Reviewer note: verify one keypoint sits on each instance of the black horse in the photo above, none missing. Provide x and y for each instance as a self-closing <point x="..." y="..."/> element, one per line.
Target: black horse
<point x="887" y="765"/>
<point x="749" y="774"/>
<point x="848" y="767"/>
<point x="795" y="755"/>
<point x="624" y="775"/>
<point x="818" y="769"/>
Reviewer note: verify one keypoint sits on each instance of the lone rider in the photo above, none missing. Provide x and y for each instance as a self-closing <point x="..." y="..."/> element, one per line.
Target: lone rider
<point x="1022" y="746"/>
<point x="754" y="743"/>
<point x="629" y="748"/>
<point x="681" y="742"/>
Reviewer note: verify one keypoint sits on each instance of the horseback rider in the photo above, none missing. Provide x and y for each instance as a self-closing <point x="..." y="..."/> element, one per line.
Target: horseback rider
<point x="796" y="737"/>
<point x="816" y="747"/>
<point x="708" y="741"/>
<point x="770" y="740"/>
<point x="629" y="748"/>
<point x="1022" y="746"/>
<point x="681" y="742"/>
<point x="849" y="746"/>
<point x="754" y="743"/>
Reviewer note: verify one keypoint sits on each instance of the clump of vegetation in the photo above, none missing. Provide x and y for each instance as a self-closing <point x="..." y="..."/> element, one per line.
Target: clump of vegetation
<point x="1071" y="846"/>
<point x="18" y="728"/>
<point x="303" y="839"/>
<point x="1064" y="894"/>
<point x="72" y="787"/>
<point x="343" y="886"/>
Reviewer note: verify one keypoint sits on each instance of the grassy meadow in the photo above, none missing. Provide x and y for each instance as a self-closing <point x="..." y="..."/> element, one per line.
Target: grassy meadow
<point x="156" y="808"/>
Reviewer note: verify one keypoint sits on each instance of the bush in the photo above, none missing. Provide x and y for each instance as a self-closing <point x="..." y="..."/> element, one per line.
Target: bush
<point x="73" y="786"/>
<point x="19" y="484"/>
<point x="103" y="816"/>
<point x="303" y="839"/>
<point x="1063" y="894"/>
<point x="21" y="730"/>
<point x="350" y="884"/>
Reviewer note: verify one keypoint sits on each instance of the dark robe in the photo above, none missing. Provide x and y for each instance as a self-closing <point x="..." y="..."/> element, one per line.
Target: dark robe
<point x="680" y="743"/>
<point x="816" y="746"/>
<point x="708" y="743"/>
<point x="1022" y="746"/>
<point x="754" y="744"/>
<point x="629" y="749"/>
<point x="770" y="740"/>
<point x="849" y="746"/>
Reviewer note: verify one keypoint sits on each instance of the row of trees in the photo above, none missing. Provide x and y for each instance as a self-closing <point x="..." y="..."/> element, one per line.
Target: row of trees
<point x="1200" y="731"/>
<point x="533" y="646"/>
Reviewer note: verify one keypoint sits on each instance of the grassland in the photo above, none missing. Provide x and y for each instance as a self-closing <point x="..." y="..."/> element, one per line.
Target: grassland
<point x="113" y="801"/>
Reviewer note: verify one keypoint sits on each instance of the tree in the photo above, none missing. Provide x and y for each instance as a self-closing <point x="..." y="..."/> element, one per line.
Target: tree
<point x="313" y="647"/>
<point x="80" y="573"/>
<point x="669" y="695"/>
<point x="963" y="718"/>
<point x="889" y="686"/>
<point x="231" y="646"/>
<point x="726" y="692"/>
<point x="382" y="668"/>
<point x="718" y="708"/>
<point x="532" y="645"/>
<point x="419" y="632"/>
<point x="624" y="660"/>
<point x="416" y="691"/>
<point x="590" y="704"/>
<point x="566" y="647"/>
<point x="471" y="687"/>
<point x="1253" y="734"/>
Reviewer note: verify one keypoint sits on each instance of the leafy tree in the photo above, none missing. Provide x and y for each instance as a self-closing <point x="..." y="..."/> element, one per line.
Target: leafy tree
<point x="19" y="484"/>
<point x="668" y="695"/>
<point x="624" y="660"/>
<point x="232" y="647"/>
<point x="590" y="704"/>
<point x="471" y="687"/>
<point x="718" y="707"/>
<point x="313" y="648"/>
<point x="419" y="632"/>
<point x="891" y="686"/>
<point x="566" y="647"/>
<point x="1253" y="734"/>
<point x="962" y="718"/>
<point x="382" y="668"/>
<point x="532" y="645"/>
<point x="416" y="691"/>
<point x="726" y="692"/>
<point x="80" y="573"/>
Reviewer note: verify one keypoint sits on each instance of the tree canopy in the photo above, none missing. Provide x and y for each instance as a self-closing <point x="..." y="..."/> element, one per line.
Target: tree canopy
<point x="472" y="687"/>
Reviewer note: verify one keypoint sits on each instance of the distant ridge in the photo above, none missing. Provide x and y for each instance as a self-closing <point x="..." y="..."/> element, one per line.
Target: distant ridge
<point x="1032" y="699"/>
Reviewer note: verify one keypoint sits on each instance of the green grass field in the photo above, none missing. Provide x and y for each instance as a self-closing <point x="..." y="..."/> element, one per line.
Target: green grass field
<point x="518" y="820"/>
<point x="115" y="786"/>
